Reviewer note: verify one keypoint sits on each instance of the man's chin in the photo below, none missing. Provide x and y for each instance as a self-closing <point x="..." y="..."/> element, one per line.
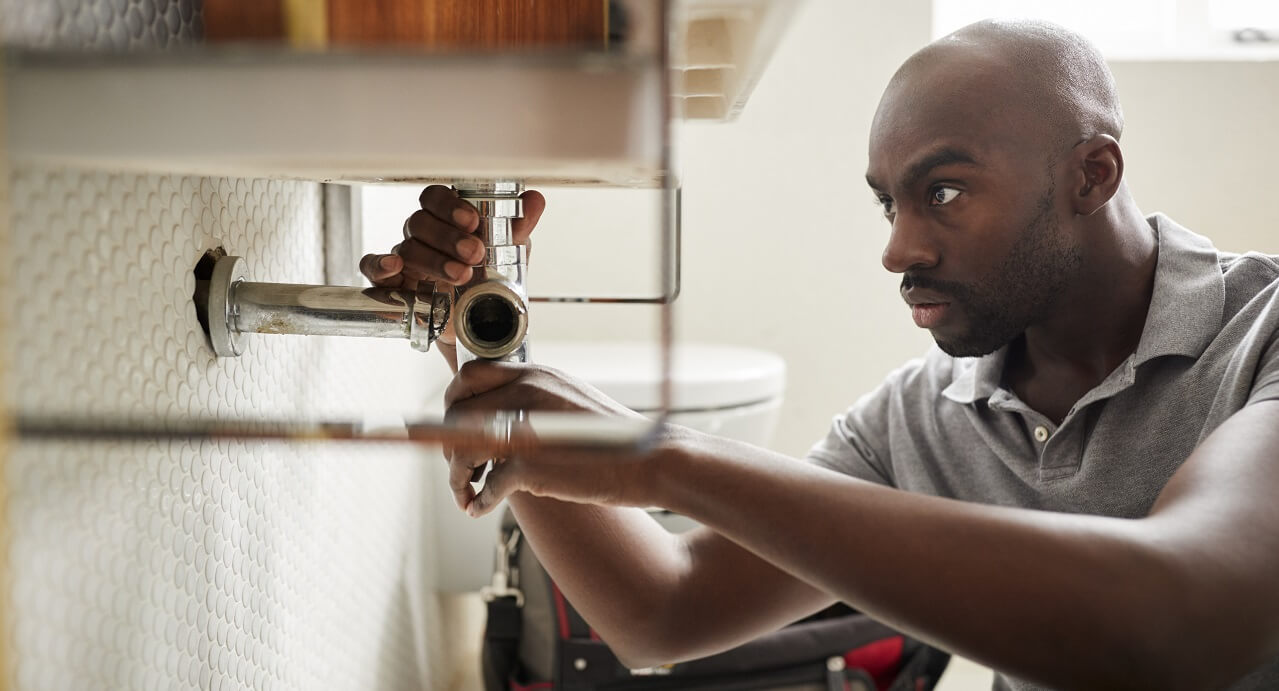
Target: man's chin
<point x="968" y="347"/>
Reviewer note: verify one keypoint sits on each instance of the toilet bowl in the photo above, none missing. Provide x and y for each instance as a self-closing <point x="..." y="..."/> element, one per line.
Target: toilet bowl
<point x="728" y="391"/>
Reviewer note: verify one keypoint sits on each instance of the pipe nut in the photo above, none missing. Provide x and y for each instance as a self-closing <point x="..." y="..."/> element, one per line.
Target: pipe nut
<point x="506" y="255"/>
<point x="498" y="207"/>
<point x="428" y="316"/>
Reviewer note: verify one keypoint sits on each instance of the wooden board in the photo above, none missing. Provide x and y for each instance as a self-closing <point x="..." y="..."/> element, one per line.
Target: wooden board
<point x="443" y="24"/>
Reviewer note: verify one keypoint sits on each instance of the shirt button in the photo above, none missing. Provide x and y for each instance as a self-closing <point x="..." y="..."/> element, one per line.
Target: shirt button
<point x="1041" y="434"/>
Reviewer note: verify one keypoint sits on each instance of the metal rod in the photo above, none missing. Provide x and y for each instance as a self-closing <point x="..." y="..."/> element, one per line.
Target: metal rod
<point x="671" y="213"/>
<point x="8" y="678"/>
<point x="524" y="430"/>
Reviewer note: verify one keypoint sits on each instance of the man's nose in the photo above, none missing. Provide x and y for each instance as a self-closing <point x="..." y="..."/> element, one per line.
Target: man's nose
<point x="911" y="246"/>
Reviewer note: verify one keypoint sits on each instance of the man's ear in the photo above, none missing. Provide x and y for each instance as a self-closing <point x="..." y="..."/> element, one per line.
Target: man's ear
<point x="1100" y="166"/>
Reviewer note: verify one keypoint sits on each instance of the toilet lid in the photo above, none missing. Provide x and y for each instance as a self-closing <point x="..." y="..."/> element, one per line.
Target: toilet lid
<point x="704" y="376"/>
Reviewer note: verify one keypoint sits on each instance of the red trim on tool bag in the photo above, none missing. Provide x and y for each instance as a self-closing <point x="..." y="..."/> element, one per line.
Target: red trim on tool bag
<point x="535" y="686"/>
<point x="561" y="612"/>
<point x="595" y="636"/>
<point x="881" y="660"/>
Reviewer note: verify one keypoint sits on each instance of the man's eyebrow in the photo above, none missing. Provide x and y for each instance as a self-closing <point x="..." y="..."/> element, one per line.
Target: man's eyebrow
<point x="941" y="157"/>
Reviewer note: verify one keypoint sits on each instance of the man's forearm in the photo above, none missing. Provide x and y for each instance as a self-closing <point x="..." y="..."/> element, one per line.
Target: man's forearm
<point x="1055" y="597"/>
<point x="617" y="566"/>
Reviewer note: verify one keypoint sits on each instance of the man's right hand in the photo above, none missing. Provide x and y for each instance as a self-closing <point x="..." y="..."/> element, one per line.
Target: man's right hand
<point x="440" y="245"/>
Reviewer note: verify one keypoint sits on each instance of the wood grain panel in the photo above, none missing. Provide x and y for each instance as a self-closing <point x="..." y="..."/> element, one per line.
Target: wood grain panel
<point x="378" y="21"/>
<point x="446" y="24"/>
<point x="468" y="23"/>
<point x="244" y="20"/>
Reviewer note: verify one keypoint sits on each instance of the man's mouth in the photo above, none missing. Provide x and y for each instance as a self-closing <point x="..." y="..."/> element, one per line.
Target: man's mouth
<point x="927" y="307"/>
<point x="928" y="315"/>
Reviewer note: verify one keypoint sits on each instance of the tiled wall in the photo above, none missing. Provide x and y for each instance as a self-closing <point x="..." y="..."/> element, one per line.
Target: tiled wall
<point x="175" y="564"/>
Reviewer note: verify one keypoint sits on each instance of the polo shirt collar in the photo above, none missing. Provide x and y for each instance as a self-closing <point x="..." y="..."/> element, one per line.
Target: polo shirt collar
<point x="1189" y="299"/>
<point x="1186" y="309"/>
<point x="979" y="379"/>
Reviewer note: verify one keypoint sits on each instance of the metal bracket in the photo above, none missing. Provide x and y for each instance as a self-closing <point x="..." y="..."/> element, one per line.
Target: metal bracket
<point x="506" y="576"/>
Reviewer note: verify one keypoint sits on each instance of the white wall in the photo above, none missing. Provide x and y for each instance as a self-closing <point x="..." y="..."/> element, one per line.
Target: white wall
<point x="1200" y="143"/>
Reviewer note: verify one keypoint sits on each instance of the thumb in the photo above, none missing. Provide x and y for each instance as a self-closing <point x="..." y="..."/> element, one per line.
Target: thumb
<point x="480" y="376"/>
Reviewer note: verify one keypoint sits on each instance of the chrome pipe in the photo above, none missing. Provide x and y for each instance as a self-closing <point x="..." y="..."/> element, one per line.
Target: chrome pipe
<point x="491" y="312"/>
<point x="281" y="308"/>
<point x="233" y="308"/>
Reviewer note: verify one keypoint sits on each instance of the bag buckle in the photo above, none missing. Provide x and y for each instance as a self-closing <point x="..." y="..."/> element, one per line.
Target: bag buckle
<point x="506" y="577"/>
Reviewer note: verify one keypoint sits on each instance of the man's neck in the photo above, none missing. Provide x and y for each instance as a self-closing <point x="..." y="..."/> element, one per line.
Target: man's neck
<point x="1097" y="323"/>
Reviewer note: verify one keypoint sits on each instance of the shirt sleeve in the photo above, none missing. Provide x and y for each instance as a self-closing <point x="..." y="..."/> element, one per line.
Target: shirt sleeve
<point x="1265" y="386"/>
<point x="858" y="442"/>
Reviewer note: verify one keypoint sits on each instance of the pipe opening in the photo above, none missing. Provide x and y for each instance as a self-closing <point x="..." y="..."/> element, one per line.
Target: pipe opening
<point x="492" y="321"/>
<point x="203" y="272"/>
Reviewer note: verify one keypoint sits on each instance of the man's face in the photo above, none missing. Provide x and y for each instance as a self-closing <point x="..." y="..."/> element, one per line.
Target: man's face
<point x="974" y="214"/>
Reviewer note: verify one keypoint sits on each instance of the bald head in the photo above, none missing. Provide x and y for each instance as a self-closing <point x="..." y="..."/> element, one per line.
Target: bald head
<point x="1034" y="79"/>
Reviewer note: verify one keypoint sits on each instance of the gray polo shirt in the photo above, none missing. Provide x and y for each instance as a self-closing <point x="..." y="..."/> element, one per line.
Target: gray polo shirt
<point x="947" y="427"/>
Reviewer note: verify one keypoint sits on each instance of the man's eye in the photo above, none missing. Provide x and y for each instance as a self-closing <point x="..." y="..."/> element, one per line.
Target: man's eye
<point x="943" y="195"/>
<point x="887" y="206"/>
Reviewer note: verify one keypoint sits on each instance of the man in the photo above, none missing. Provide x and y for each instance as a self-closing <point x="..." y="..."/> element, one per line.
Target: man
<point x="1104" y="400"/>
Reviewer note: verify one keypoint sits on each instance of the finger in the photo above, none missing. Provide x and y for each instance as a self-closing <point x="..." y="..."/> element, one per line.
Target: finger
<point x="444" y="204"/>
<point x="480" y="376"/>
<point x="382" y="269"/>
<point x="428" y="264"/>
<point x="534" y="205"/>
<point x="502" y="480"/>
<point x="445" y="237"/>
<point x="460" y="469"/>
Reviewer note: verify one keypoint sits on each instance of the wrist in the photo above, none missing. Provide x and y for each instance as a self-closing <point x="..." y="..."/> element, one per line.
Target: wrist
<point x="670" y="453"/>
<point x="449" y="352"/>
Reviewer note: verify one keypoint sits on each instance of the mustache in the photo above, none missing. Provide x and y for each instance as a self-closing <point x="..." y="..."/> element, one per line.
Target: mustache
<point x="934" y="285"/>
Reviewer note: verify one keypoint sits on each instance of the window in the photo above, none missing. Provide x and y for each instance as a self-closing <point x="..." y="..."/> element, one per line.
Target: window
<point x="1141" y="29"/>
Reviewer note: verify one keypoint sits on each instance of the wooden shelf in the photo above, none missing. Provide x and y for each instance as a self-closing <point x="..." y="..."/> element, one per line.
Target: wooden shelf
<point x="334" y="117"/>
<point x="721" y="48"/>
<point x="594" y="118"/>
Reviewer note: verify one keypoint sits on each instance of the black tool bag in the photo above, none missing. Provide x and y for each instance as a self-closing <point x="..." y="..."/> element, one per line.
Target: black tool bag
<point x="535" y="641"/>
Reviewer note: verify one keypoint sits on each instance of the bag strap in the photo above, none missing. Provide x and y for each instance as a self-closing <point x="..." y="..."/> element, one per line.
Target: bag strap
<point x="504" y="601"/>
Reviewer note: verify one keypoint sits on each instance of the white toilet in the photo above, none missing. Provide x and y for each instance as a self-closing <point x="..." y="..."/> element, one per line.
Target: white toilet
<point x="730" y="391"/>
<point x="725" y="390"/>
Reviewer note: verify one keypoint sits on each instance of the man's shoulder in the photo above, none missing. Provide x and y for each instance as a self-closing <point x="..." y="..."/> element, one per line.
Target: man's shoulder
<point x="1254" y="267"/>
<point x="1247" y="276"/>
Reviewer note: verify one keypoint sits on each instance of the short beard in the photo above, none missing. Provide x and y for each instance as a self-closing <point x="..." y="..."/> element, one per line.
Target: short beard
<point x="1030" y="279"/>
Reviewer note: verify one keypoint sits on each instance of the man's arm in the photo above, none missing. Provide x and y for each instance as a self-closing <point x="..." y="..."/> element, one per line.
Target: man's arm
<point x="653" y="596"/>
<point x="1184" y="598"/>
